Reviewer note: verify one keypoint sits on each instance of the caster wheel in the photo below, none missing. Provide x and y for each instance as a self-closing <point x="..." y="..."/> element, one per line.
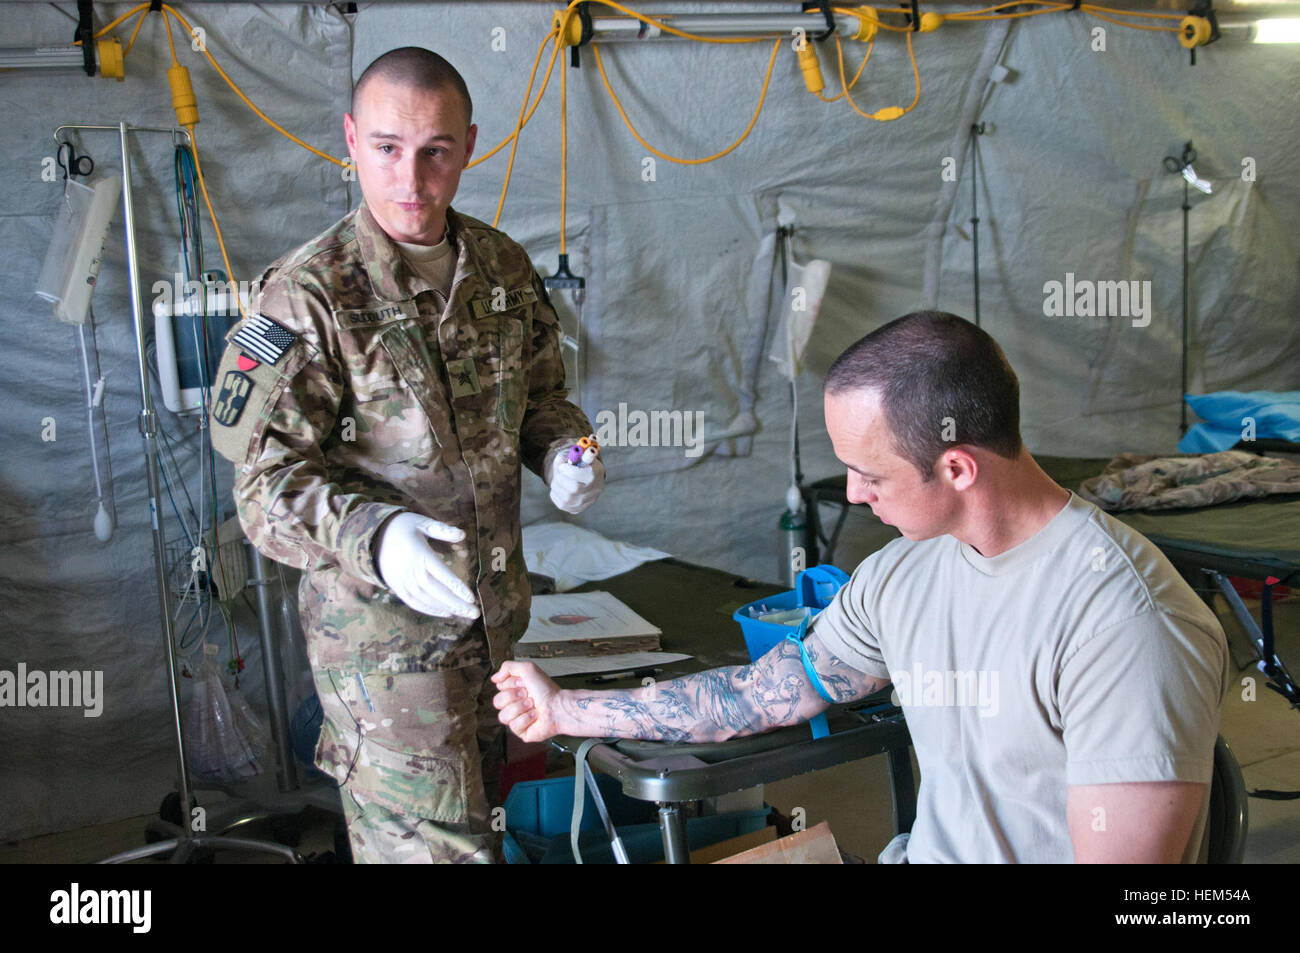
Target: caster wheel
<point x="170" y="809"/>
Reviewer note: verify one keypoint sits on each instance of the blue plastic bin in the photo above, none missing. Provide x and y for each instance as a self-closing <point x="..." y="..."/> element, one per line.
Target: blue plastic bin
<point x="538" y="814"/>
<point x="814" y="589"/>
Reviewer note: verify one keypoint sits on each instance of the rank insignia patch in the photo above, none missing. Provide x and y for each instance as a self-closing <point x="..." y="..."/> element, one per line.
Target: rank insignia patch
<point x="235" y="388"/>
<point x="463" y="377"/>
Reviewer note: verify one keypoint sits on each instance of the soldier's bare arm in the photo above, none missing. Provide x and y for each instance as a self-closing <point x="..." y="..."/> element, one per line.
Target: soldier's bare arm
<point x="715" y="705"/>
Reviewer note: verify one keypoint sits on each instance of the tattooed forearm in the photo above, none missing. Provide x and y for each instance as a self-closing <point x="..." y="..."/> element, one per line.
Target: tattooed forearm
<point x="709" y="706"/>
<point x="624" y="715"/>
<point x="722" y="703"/>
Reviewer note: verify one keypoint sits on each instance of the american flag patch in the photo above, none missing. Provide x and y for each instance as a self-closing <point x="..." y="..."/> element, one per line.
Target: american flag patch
<point x="264" y="339"/>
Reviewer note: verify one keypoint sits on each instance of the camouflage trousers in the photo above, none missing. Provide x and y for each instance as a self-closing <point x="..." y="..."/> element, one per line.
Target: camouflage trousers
<point x="418" y="760"/>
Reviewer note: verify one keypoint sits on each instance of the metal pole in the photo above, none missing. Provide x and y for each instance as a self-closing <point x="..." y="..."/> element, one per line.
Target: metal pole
<point x="149" y="433"/>
<point x="1187" y="285"/>
<point x="976" y="130"/>
<point x="903" y="788"/>
<point x="672" y="826"/>
<point x="287" y="776"/>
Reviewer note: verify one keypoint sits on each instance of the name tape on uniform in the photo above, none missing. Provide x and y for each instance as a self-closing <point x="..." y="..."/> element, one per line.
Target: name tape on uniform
<point x="380" y="314"/>
<point x="263" y="339"/>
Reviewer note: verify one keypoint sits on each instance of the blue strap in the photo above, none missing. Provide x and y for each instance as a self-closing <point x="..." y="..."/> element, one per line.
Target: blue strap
<point x="797" y="638"/>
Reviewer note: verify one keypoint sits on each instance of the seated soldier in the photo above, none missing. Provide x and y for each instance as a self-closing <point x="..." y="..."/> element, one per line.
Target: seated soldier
<point x="1090" y="676"/>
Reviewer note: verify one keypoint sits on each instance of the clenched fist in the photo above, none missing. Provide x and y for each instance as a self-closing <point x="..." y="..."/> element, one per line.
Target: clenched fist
<point x="527" y="701"/>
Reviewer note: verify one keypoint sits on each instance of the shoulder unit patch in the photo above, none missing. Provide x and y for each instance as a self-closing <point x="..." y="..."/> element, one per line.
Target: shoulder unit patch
<point x="235" y="388"/>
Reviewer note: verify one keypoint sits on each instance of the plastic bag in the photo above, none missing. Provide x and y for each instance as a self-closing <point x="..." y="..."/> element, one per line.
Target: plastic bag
<point x="222" y="736"/>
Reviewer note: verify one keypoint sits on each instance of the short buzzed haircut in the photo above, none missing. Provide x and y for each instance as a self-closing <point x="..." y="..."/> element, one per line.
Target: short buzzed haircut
<point x="419" y="68"/>
<point x="938" y="376"/>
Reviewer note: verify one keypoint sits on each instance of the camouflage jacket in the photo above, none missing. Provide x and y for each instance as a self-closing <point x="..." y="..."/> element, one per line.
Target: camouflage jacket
<point x="1134" y="481"/>
<point x="370" y="395"/>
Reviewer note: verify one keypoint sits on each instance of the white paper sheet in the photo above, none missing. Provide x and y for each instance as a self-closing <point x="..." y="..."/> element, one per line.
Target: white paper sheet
<point x="626" y="662"/>
<point x="583" y="615"/>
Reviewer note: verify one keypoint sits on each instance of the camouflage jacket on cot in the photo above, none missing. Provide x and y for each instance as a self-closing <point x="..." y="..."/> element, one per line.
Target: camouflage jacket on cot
<point x="382" y="398"/>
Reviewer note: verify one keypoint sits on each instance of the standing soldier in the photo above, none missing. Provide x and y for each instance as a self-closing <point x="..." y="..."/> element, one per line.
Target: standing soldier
<point x="378" y="402"/>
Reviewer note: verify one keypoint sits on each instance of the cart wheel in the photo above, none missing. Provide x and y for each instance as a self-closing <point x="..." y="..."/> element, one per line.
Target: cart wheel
<point x="170" y="812"/>
<point x="170" y="809"/>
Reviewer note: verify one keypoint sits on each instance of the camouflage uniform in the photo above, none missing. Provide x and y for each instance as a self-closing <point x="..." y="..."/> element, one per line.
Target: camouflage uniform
<point x="385" y="398"/>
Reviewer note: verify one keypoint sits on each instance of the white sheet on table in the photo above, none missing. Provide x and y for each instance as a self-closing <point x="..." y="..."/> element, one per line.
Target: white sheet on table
<point x="572" y="555"/>
<point x="624" y="662"/>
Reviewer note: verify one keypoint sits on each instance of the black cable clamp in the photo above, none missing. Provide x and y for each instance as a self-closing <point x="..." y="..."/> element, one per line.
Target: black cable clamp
<point x="1074" y="7"/>
<point x="825" y="7"/>
<point x="1205" y="10"/>
<point x="155" y="6"/>
<point x="86" y="34"/>
<point x="915" y="17"/>
<point x="588" y="30"/>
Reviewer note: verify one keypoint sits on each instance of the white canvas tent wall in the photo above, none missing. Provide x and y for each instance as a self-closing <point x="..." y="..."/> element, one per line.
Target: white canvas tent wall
<point x="679" y="308"/>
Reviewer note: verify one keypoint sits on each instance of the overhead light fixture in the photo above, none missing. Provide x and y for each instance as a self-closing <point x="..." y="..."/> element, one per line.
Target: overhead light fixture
<point x="70" y="56"/>
<point x="1279" y="30"/>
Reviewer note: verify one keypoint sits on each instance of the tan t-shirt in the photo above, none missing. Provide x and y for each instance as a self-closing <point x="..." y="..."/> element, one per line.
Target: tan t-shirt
<point x="1078" y="657"/>
<point x="435" y="264"/>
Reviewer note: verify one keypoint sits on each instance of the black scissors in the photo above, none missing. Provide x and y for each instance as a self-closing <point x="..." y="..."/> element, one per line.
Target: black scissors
<point x="1175" y="165"/>
<point x="77" y="165"/>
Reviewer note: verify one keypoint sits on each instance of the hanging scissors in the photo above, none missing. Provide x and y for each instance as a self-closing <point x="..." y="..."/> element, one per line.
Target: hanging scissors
<point x="1184" y="166"/>
<point x="1178" y="165"/>
<point x="77" y="165"/>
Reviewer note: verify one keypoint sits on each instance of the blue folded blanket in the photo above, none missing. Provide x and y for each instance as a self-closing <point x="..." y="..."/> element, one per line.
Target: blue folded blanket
<point x="1228" y="417"/>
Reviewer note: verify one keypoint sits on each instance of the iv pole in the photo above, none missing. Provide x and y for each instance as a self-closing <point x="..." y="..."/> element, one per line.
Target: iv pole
<point x="188" y="843"/>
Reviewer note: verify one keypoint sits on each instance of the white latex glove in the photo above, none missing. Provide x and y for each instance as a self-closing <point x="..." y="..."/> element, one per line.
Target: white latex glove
<point x="574" y="488"/>
<point x="415" y="572"/>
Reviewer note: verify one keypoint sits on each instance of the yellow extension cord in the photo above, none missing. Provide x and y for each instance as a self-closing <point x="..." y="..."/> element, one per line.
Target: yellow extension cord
<point x="1192" y="31"/>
